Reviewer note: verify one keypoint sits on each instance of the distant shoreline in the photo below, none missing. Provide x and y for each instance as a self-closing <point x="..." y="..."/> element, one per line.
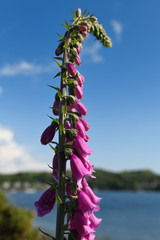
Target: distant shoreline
<point x="143" y="180"/>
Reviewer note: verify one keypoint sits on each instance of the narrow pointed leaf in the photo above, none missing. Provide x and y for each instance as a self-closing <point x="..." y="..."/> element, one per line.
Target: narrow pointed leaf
<point x="58" y="199"/>
<point x="47" y="234"/>
<point x="74" y="15"/>
<point x="58" y="58"/>
<point x="58" y="74"/>
<point x="60" y="36"/>
<point x="52" y="147"/>
<point x="84" y="13"/>
<point x="66" y="45"/>
<point x="65" y="26"/>
<point x="59" y="65"/>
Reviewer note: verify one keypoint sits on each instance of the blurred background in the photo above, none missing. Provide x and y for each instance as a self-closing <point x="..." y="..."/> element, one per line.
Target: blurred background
<point x="121" y="93"/>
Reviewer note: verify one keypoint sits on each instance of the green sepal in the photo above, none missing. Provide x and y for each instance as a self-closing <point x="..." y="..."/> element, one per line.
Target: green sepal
<point x="60" y="36"/>
<point x="71" y="133"/>
<point x="58" y="199"/>
<point x="47" y="234"/>
<point x="74" y="41"/>
<point x="68" y="152"/>
<point x="70" y="99"/>
<point x="68" y="144"/>
<point x="58" y="74"/>
<point x="65" y="227"/>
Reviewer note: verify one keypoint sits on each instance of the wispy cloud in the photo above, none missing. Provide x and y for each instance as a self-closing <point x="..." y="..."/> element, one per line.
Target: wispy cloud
<point x="15" y="157"/>
<point x="91" y="52"/>
<point x="117" y="28"/>
<point x="25" y="68"/>
<point x="1" y="90"/>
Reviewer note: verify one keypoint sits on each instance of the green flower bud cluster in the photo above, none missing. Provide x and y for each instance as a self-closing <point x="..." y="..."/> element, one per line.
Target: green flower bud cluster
<point x="100" y="34"/>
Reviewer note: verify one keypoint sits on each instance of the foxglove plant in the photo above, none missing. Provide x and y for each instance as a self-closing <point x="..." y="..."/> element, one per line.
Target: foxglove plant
<point x="76" y="202"/>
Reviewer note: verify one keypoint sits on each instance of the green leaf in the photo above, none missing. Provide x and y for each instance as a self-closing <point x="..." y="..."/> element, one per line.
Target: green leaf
<point x="66" y="45"/>
<point x="68" y="151"/>
<point x="58" y="74"/>
<point x="65" y="26"/>
<point x="54" y="142"/>
<point x="59" y="65"/>
<point x="59" y="92"/>
<point x="60" y="36"/>
<point x="61" y="128"/>
<point x="47" y="234"/>
<point x="54" y="149"/>
<point x="58" y="199"/>
<point x="74" y="15"/>
<point x="58" y="58"/>
<point x="54" y="119"/>
<point x="84" y="13"/>
<point x="74" y="41"/>
<point x="65" y="227"/>
<point x="64" y="109"/>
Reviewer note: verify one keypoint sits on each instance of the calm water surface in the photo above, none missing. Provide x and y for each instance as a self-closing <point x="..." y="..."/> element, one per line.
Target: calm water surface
<point x="126" y="215"/>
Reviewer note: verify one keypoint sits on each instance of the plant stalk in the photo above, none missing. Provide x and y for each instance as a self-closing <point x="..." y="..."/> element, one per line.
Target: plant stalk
<point x="61" y="155"/>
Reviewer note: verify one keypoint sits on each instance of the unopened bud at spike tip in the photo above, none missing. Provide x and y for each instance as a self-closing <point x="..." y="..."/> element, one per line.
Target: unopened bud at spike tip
<point x="78" y="12"/>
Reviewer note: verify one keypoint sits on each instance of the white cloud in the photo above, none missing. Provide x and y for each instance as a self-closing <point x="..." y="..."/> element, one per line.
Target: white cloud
<point x="117" y="28"/>
<point x="91" y="52"/>
<point x="1" y="90"/>
<point x="15" y="157"/>
<point x="25" y="68"/>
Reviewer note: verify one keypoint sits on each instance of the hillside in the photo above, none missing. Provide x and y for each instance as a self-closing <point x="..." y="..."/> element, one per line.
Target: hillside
<point x="105" y="180"/>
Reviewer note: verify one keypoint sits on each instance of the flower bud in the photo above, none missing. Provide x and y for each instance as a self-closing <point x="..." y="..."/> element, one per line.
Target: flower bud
<point x="72" y="70"/>
<point x="78" y="50"/>
<point x="77" y="60"/>
<point x="84" y="34"/>
<point x="85" y="123"/>
<point x="82" y="28"/>
<point x="81" y="109"/>
<point x="78" y="92"/>
<point x="55" y="167"/>
<point x="48" y="135"/>
<point x="56" y="105"/>
<point x="80" y="38"/>
<point x="46" y="202"/>
<point x="79" y="80"/>
<point x="59" y="49"/>
<point x="78" y="12"/>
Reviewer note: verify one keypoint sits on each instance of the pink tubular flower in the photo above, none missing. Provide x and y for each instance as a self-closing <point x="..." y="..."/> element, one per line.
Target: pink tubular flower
<point x="48" y="135"/>
<point x="90" y="236"/>
<point x="85" y="123"/>
<point x="80" y="128"/>
<point x="81" y="109"/>
<point x="88" y="166"/>
<point x="46" y="202"/>
<point x="77" y="60"/>
<point x="56" y="105"/>
<point x="55" y="167"/>
<point x="84" y="203"/>
<point x="81" y="147"/>
<point x="78" y="169"/>
<point x="78" y="92"/>
<point x="79" y="220"/>
<point x="90" y="193"/>
<point x="72" y="70"/>
<point x="94" y="221"/>
<point x="82" y="28"/>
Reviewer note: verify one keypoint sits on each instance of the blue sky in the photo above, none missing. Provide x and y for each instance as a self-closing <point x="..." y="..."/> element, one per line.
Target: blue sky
<point x="121" y="89"/>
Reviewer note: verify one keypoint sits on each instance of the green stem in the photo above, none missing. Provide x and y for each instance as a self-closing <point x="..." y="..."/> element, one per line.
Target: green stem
<point x="61" y="155"/>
